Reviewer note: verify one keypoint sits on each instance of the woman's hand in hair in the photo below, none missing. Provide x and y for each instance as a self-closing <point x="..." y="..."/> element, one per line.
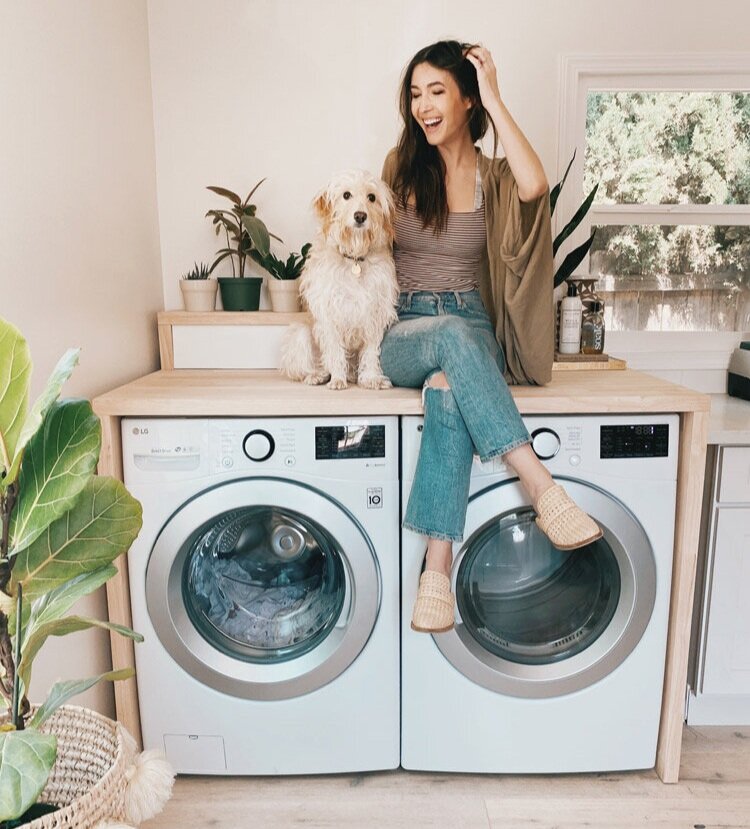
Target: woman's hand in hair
<point x="489" y="89"/>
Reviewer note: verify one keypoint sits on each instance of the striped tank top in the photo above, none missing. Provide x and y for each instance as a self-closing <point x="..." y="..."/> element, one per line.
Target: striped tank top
<point x="446" y="262"/>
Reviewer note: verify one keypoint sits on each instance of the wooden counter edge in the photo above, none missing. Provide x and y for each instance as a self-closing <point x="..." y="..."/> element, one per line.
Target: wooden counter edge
<point x="143" y="398"/>
<point x="691" y="469"/>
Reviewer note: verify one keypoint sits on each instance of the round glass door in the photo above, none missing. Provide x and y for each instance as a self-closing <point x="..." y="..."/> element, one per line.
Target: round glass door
<point x="535" y="621"/>
<point x="254" y="596"/>
<point x="264" y="583"/>
<point x="523" y="600"/>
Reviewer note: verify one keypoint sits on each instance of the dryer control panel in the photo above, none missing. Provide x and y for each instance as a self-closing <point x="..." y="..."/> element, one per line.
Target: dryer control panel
<point x="639" y="440"/>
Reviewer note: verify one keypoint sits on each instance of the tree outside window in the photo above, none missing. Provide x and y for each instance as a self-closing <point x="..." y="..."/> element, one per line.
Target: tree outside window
<point x="681" y="160"/>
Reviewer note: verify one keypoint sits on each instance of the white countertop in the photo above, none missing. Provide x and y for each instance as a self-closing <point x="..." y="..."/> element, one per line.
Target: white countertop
<point x="730" y="420"/>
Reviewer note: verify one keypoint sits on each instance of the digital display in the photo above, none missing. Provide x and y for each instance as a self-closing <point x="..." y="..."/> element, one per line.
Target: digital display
<point x="358" y="440"/>
<point x="637" y="441"/>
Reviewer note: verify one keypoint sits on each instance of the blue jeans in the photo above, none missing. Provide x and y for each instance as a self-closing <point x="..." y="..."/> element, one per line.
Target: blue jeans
<point x="451" y="332"/>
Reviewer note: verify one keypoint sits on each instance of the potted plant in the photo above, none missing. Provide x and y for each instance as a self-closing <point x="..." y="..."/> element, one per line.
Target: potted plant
<point x="284" y="285"/>
<point x="198" y="289"/>
<point x="575" y="257"/>
<point x="62" y="527"/>
<point x="245" y="233"/>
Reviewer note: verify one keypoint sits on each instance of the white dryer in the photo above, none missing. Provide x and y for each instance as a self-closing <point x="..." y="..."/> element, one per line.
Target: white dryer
<point x="556" y="662"/>
<point x="265" y="582"/>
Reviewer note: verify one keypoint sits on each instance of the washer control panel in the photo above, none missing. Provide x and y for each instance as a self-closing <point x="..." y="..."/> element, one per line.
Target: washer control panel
<point x="352" y="448"/>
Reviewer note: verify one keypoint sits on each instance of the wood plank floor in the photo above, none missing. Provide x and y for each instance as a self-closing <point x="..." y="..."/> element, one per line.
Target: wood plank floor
<point x="714" y="791"/>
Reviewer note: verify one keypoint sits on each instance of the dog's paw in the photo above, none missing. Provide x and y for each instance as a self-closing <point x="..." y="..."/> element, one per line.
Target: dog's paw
<point x="316" y="379"/>
<point x="337" y="383"/>
<point x="378" y="381"/>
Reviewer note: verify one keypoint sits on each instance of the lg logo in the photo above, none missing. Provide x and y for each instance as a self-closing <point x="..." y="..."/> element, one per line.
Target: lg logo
<point x="137" y="431"/>
<point x="375" y="498"/>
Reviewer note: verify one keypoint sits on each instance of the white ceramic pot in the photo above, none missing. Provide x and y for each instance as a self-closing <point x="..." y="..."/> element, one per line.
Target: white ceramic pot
<point x="284" y="295"/>
<point x="199" y="294"/>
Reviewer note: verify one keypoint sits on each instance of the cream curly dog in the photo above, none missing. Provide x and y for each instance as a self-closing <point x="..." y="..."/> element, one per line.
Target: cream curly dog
<point x="349" y="286"/>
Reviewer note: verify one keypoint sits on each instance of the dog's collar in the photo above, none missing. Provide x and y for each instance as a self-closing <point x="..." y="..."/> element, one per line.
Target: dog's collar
<point x="356" y="268"/>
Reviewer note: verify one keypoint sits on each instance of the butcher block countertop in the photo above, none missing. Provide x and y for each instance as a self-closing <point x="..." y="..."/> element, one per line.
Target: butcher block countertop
<point x="227" y="393"/>
<point x="204" y="392"/>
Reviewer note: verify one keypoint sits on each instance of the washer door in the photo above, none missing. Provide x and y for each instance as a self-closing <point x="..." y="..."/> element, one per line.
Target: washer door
<point x="534" y="621"/>
<point x="263" y="588"/>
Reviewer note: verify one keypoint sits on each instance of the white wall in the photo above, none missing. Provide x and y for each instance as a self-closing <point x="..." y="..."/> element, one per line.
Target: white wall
<point x="79" y="244"/>
<point x="296" y="90"/>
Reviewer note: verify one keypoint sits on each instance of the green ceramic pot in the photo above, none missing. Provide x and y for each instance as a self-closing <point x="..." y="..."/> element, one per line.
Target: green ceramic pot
<point x="240" y="294"/>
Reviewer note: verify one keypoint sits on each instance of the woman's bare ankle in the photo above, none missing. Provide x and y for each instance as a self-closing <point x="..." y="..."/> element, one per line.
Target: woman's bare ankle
<point x="536" y="492"/>
<point x="534" y="476"/>
<point x="439" y="556"/>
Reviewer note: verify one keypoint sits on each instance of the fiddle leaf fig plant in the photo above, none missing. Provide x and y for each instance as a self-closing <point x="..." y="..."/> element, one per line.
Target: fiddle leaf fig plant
<point x="62" y="527"/>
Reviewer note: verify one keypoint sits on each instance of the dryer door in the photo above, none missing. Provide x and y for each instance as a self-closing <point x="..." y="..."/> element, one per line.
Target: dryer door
<point x="263" y="588"/>
<point x="534" y="621"/>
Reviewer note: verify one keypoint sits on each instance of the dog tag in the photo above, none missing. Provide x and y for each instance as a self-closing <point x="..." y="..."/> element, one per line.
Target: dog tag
<point x="356" y="269"/>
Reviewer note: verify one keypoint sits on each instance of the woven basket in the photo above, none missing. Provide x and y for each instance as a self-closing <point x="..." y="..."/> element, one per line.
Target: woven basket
<point x="88" y="779"/>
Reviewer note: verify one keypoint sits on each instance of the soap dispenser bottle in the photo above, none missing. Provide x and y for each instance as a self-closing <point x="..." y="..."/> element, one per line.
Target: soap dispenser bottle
<point x="571" y="311"/>
<point x="592" y="331"/>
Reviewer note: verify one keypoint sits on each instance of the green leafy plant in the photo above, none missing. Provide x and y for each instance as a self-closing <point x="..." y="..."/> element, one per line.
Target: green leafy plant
<point x="244" y="231"/>
<point x="198" y="272"/>
<point x="575" y="257"/>
<point x="279" y="269"/>
<point x="62" y="527"/>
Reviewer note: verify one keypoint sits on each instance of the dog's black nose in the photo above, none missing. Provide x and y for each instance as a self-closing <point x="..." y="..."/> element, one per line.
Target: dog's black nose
<point x="360" y="217"/>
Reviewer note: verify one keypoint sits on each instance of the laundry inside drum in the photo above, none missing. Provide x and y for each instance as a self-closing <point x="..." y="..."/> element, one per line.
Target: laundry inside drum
<point x="264" y="583"/>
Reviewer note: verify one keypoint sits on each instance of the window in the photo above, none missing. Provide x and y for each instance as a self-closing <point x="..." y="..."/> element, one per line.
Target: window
<point x="667" y="140"/>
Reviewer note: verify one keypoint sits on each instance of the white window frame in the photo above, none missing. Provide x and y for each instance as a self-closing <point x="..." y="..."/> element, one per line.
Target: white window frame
<point x="581" y="73"/>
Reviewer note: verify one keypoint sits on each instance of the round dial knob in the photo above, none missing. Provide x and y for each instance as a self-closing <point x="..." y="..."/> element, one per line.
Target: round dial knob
<point x="545" y="443"/>
<point x="258" y="445"/>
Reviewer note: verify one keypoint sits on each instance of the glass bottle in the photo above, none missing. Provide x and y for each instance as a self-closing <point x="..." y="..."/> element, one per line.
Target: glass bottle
<point x="592" y="330"/>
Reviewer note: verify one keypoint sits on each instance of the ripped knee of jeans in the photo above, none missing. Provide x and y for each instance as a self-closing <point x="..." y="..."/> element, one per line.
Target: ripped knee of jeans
<point x="437" y="380"/>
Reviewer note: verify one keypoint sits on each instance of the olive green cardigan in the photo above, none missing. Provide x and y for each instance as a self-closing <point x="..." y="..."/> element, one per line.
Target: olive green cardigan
<point x="515" y="279"/>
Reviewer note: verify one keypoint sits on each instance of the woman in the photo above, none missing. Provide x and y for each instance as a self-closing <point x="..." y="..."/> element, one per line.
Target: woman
<point x="472" y="234"/>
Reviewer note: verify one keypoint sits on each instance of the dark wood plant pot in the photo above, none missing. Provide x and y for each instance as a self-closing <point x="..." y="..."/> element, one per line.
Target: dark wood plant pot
<point x="240" y="294"/>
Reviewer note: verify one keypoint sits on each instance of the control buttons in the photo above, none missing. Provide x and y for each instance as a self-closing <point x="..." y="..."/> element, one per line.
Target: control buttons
<point x="545" y="443"/>
<point x="574" y="460"/>
<point x="290" y="460"/>
<point x="258" y="445"/>
<point x="227" y="463"/>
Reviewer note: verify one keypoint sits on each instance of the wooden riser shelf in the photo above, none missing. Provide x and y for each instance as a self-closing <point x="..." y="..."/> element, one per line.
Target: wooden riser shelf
<point x="252" y="340"/>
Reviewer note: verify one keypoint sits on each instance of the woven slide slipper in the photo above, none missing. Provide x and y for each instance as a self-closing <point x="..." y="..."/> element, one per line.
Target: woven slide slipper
<point x="565" y="524"/>
<point x="433" y="608"/>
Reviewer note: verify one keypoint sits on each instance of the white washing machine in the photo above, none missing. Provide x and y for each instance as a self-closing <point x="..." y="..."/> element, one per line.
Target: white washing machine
<point x="556" y="662"/>
<point x="265" y="582"/>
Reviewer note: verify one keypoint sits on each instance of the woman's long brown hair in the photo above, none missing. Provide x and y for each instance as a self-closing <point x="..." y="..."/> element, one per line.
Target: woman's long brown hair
<point x="419" y="167"/>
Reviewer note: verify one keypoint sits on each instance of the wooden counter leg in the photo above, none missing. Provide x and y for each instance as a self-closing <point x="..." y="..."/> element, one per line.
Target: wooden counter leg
<point x="166" y="347"/>
<point x="690" y="473"/>
<point x="118" y="592"/>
